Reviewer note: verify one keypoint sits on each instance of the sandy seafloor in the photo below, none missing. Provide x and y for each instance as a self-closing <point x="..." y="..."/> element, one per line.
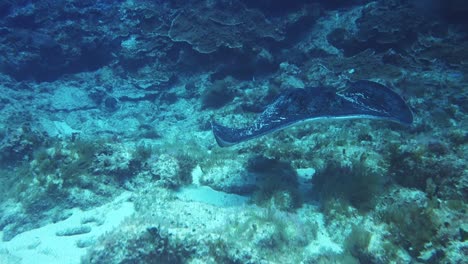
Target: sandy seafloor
<point x="107" y="153"/>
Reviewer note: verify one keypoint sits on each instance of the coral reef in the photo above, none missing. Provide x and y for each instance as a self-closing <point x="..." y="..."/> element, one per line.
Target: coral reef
<point x="103" y="98"/>
<point x="231" y="25"/>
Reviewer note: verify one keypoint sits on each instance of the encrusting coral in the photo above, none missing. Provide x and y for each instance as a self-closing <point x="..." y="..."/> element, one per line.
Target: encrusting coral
<point x="207" y="29"/>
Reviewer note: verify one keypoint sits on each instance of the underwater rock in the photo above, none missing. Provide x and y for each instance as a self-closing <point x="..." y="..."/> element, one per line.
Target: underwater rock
<point x="166" y="169"/>
<point x="430" y="166"/>
<point x="71" y="99"/>
<point x="11" y="214"/>
<point x="218" y="94"/>
<point x="73" y="231"/>
<point x="230" y="176"/>
<point x="111" y="104"/>
<point x="97" y="94"/>
<point x="390" y="25"/>
<point x="135" y="241"/>
<point x="411" y="219"/>
<point x="101" y="97"/>
<point x="114" y="159"/>
<point x="57" y="128"/>
<point x="19" y="143"/>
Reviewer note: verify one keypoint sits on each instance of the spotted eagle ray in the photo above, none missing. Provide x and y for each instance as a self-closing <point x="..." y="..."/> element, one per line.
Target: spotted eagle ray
<point x="360" y="99"/>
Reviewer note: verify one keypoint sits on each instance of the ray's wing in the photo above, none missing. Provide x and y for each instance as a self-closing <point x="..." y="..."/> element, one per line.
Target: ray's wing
<point x="284" y="111"/>
<point x="362" y="99"/>
<point x="373" y="100"/>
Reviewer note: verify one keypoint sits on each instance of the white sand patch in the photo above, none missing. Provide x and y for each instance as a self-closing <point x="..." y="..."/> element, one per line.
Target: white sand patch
<point x="207" y="195"/>
<point x="66" y="241"/>
<point x="57" y="128"/>
<point x="70" y="98"/>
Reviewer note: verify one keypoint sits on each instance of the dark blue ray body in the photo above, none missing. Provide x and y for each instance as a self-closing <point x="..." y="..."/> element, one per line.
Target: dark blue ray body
<point x="361" y="99"/>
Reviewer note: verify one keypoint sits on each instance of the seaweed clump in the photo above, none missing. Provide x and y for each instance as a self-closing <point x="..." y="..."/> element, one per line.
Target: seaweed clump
<point x="54" y="171"/>
<point x="139" y="243"/>
<point x="357" y="244"/>
<point x="412" y="220"/>
<point x="58" y="175"/>
<point x="356" y="184"/>
<point x="266" y="233"/>
<point x="427" y="165"/>
<point x="277" y="183"/>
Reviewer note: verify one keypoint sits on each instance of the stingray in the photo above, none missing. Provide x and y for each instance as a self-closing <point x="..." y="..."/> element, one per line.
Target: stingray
<point x="360" y="99"/>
